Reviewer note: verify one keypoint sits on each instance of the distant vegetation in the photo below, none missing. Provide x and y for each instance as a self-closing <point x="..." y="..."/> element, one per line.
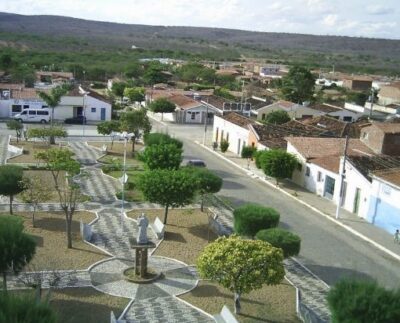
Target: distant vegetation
<point x="104" y="49"/>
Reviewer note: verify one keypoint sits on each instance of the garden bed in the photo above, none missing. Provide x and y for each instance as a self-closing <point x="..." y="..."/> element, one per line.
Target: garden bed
<point x="116" y="154"/>
<point x="50" y="236"/>
<point x="30" y="148"/>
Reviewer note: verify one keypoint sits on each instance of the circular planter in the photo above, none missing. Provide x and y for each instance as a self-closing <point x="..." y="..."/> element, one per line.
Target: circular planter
<point x="151" y="276"/>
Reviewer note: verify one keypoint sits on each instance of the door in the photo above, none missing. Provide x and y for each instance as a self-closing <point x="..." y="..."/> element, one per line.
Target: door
<point x="103" y="114"/>
<point x="329" y="187"/>
<point x="356" y="205"/>
<point x="79" y="112"/>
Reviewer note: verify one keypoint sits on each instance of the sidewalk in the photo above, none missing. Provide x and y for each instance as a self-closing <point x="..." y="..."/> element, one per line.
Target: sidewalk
<point x="366" y="231"/>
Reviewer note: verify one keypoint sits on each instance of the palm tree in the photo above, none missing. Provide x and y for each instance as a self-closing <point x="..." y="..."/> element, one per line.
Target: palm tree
<point x="53" y="99"/>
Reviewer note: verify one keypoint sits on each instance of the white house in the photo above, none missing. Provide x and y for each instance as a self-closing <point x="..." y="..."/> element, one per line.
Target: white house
<point x="320" y="159"/>
<point x="346" y="115"/>
<point x="232" y="127"/>
<point x="384" y="208"/>
<point x="295" y="111"/>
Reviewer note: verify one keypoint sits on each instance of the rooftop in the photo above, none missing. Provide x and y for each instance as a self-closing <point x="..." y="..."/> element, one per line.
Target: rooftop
<point x="237" y="119"/>
<point x="389" y="175"/>
<point x="325" y="108"/>
<point x="183" y="102"/>
<point x="368" y="165"/>
<point x="387" y="127"/>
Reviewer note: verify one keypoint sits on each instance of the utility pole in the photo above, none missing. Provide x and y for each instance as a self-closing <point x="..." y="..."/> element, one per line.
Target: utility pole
<point x="205" y="125"/>
<point x="372" y="102"/>
<point x="342" y="176"/>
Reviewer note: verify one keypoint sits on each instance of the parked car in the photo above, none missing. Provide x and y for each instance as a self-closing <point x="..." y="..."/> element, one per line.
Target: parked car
<point x="33" y="115"/>
<point x="76" y="120"/>
<point x="196" y="163"/>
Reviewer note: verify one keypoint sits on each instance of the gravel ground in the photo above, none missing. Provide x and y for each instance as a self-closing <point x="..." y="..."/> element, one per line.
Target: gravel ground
<point x="186" y="233"/>
<point x="50" y="236"/>
<point x="268" y="304"/>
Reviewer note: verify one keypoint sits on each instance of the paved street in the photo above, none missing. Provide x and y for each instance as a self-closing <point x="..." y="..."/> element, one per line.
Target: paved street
<point x="327" y="250"/>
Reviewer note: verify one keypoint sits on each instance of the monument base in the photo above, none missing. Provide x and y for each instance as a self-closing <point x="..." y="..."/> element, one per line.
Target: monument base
<point x="150" y="276"/>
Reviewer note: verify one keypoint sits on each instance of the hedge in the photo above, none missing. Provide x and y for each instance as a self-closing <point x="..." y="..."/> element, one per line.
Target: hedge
<point x="287" y="241"/>
<point x="156" y="138"/>
<point x="251" y="218"/>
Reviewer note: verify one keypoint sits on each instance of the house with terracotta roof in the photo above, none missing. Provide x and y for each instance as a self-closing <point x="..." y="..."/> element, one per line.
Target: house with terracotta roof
<point x="389" y="93"/>
<point x="47" y="79"/>
<point x="382" y="138"/>
<point x="337" y="112"/>
<point x="320" y="159"/>
<point x="295" y="111"/>
<point x="357" y="82"/>
<point x="234" y="128"/>
<point x="384" y="208"/>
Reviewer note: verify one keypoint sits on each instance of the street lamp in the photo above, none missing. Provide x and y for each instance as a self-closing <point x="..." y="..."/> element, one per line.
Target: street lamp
<point x="84" y="113"/>
<point x="124" y="177"/>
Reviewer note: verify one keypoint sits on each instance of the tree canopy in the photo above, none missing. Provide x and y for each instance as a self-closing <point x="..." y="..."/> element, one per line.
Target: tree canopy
<point x="298" y="85"/>
<point x="166" y="156"/>
<point x="11" y="182"/>
<point x="280" y="238"/>
<point x="134" y="94"/>
<point x="17" y="126"/>
<point x="162" y="106"/>
<point x="241" y="265"/>
<point x="135" y="121"/>
<point x="170" y="188"/>
<point x="277" y="163"/>
<point x="16" y="247"/>
<point x="277" y="117"/>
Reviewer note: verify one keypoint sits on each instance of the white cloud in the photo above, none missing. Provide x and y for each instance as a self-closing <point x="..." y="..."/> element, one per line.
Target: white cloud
<point x="330" y="20"/>
<point x="379" y="10"/>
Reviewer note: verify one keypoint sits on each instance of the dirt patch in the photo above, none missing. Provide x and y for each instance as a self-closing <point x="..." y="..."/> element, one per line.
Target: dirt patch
<point x="268" y="304"/>
<point x="51" y="239"/>
<point x="117" y="153"/>
<point x="30" y="149"/>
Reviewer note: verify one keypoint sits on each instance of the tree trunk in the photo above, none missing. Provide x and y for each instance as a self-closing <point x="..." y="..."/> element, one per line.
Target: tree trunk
<point x="166" y="214"/>
<point x="202" y="203"/>
<point x="52" y="140"/>
<point x="11" y="201"/>
<point x="237" y="303"/>
<point x="133" y="145"/>
<point x="69" y="233"/>
<point x="5" y="282"/>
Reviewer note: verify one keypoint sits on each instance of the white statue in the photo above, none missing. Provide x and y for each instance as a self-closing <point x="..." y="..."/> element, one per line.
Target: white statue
<point x="142" y="223"/>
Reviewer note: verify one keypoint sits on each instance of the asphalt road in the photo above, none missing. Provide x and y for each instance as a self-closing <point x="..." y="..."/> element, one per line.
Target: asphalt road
<point x="327" y="250"/>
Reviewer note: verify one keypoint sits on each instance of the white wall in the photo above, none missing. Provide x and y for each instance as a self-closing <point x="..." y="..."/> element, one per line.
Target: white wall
<point x="346" y="113"/>
<point x="297" y="112"/>
<point x="238" y="136"/>
<point x="96" y="105"/>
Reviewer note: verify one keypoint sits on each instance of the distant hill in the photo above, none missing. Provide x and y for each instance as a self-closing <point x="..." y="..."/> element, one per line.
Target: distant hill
<point x="64" y="33"/>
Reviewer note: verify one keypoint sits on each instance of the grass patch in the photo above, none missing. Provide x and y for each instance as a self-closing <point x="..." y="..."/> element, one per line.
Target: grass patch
<point x="30" y="149"/>
<point x="132" y="194"/>
<point x="186" y="233"/>
<point x="73" y="305"/>
<point x="117" y="153"/>
<point x="50" y="236"/>
<point x="268" y="304"/>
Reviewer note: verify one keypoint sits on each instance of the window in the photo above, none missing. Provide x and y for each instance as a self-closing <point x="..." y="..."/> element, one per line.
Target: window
<point x="24" y="113"/>
<point x="44" y="106"/>
<point x="32" y="112"/>
<point x="16" y="108"/>
<point x="347" y="119"/>
<point x="26" y="107"/>
<point x="386" y="189"/>
<point x="319" y="177"/>
<point x="5" y="95"/>
<point x="42" y="113"/>
<point x="93" y="110"/>
<point x="307" y="171"/>
<point x="193" y="116"/>
<point x="263" y="116"/>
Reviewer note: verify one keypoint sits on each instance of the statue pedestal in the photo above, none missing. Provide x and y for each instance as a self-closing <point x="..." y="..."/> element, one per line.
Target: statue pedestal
<point x="141" y="256"/>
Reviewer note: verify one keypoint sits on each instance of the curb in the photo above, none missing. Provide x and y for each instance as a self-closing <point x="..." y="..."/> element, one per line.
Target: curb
<point x="344" y="226"/>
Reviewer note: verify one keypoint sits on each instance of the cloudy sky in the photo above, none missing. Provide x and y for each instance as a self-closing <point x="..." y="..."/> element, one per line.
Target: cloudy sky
<point x="378" y="18"/>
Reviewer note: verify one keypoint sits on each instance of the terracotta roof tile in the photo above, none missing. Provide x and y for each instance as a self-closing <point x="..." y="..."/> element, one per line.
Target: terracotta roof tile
<point x="237" y="119"/>
<point x="183" y="102"/>
<point x="387" y="127"/>
<point x="325" y="108"/>
<point x="389" y="175"/>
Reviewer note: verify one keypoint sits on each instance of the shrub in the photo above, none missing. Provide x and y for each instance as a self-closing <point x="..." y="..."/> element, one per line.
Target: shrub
<point x="260" y="157"/>
<point x="156" y="138"/>
<point x="279" y="238"/>
<point x="224" y="145"/>
<point x="251" y="218"/>
<point x="361" y="301"/>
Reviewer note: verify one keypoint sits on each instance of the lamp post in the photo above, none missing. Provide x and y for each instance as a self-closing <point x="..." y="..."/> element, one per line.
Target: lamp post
<point x="84" y="114"/>
<point x="124" y="177"/>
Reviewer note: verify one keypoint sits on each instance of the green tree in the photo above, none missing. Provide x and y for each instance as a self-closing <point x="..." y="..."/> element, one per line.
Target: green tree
<point x="170" y="188"/>
<point x="11" y="182"/>
<point x="53" y="99"/>
<point x="358" y="98"/>
<point x="298" y="85"/>
<point x="280" y="238"/>
<point x="206" y="182"/>
<point x="241" y="265"/>
<point x="155" y="73"/>
<point x="278" y="163"/>
<point x="162" y="106"/>
<point x="248" y="153"/>
<point x="363" y="301"/>
<point x="118" y="89"/>
<point x="24" y="310"/>
<point x="6" y="61"/>
<point x="17" y="126"/>
<point x="133" y="122"/>
<point x="133" y="70"/>
<point x="35" y="191"/>
<point x="166" y="156"/>
<point x="277" y="117"/>
<point x="60" y="161"/>
<point x="251" y="218"/>
<point x="224" y="93"/>
<point x="16" y="247"/>
<point x="134" y="94"/>
<point x="23" y="73"/>
<point x="156" y="138"/>
<point x="108" y="128"/>
<point x="224" y="145"/>
<point x="48" y="134"/>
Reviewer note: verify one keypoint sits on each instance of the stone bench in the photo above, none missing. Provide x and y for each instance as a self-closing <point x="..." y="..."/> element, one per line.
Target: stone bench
<point x="225" y="316"/>
<point x="158" y="228"/>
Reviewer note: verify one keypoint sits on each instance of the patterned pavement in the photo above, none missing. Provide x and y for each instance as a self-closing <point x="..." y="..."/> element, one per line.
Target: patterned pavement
<point x="85" y="154"/>
<point x="3" y="149"/>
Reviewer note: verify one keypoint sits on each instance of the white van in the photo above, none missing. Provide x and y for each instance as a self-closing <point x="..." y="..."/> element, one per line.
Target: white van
<point x="33" y="115"/>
